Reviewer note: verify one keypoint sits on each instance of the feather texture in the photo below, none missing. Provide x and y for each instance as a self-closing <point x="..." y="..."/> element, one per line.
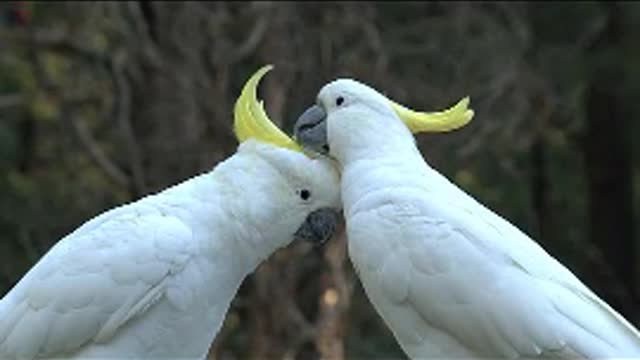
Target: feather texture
<point x="154" y="279"/>
<point x="451" y="278"/>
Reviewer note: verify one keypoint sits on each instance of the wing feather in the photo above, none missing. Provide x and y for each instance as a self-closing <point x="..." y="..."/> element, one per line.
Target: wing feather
<point x="92" y="282"/>
<point x="479" y="280"/>
<point x="518" y="292"/>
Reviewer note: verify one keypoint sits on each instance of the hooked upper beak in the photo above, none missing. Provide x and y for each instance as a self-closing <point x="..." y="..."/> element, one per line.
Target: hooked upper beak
<point x="310" y="130"/>
<point x="319" y="226"/>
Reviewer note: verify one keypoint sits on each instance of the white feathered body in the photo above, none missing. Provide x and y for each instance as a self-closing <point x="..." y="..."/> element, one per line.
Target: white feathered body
<point x="154" y="278"/>
<point x="451" y="278"/>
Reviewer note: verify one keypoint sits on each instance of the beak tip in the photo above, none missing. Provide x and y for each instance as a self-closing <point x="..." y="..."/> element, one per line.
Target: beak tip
<point x="319" y="226"/>
<point x="310" y="130"/>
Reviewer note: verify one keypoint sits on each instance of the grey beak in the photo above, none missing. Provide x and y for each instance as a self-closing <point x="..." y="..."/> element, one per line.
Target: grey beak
<point x="319" y="226"/>
<point x="311" y="130"/>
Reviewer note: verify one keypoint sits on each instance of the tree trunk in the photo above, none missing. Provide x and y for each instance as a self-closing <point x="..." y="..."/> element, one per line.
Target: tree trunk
<point x="609" y="173"/>
<point x="540" y="186"/>
<point x="334" y="301"/>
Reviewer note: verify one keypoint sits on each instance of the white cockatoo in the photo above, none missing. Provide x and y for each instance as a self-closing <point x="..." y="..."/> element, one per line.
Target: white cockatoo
<point x="154" y="279"/>
<point x="448" y="276"/>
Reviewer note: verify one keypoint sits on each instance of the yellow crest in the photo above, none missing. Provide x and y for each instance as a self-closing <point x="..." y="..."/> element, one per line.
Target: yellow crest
<point x="453" y="118"/>
<point x="251" y="120"/>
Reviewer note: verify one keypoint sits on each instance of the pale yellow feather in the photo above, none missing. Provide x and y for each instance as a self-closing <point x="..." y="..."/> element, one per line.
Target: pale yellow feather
<point x="453" y="118"/>
<point x="252" y="121"/>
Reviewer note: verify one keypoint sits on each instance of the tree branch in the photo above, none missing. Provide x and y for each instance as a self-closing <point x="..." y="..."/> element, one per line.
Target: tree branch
<point x="122" y="110"/>
<point x="250" y="44"/>
<point x="96" y="153"/>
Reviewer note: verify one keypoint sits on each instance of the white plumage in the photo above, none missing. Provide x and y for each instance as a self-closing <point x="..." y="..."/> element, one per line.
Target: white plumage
<point x="154" y="278"/>
<point x="449" y="277"/>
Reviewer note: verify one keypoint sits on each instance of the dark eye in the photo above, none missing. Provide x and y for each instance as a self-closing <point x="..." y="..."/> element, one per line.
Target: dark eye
<point x="305" y="194"/>
<point x="339" y="100"/>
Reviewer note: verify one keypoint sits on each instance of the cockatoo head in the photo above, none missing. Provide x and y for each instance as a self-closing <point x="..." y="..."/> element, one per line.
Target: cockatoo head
<point x="295" y="194"/>
<point x="350" y="115"/>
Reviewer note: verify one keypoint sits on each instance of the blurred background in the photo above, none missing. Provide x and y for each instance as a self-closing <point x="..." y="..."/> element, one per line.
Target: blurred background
<point x="102" y="103"/>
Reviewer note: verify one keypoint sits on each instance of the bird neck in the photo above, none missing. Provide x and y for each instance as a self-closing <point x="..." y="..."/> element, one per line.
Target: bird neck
<point x="392" y="163"/>
<point x="231" y="206"/>
<point x="251" y="207"/>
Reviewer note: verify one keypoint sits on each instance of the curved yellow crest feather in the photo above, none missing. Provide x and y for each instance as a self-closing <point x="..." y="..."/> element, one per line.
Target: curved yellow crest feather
<point x="453" y="118"/>
<point x="251" y="120"/>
